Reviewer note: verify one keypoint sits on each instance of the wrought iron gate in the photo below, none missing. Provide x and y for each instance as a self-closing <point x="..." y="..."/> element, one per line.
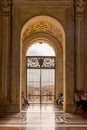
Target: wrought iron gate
<point x="40" y="79"/>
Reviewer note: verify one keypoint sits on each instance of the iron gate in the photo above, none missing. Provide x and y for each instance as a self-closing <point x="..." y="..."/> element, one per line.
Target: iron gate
<point x="40" y="79"/>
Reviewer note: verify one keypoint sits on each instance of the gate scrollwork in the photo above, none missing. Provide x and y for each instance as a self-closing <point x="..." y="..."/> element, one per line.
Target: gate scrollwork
<point x="40" y="62"/>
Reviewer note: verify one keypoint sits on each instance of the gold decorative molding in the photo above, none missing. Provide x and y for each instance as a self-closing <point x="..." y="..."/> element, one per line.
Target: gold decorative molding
<point x="42" y="26"/>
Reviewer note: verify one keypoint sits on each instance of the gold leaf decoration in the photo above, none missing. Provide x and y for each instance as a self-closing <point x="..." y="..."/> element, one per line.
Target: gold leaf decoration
<point x="43" y="26"/>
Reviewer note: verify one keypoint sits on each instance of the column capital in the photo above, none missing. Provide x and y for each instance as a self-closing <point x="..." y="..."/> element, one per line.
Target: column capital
<point x="80" y="6"/>
<point x="6" y="6"/>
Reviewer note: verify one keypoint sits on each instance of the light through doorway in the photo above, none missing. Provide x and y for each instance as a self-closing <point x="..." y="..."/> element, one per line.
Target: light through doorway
<point x="40" y="74"/>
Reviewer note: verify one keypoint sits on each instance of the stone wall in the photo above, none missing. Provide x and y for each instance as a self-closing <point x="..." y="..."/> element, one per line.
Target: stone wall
<point x="1" y="46"/>
<point x="85" y="51"/>
<point x="63" y="11"/>
<point x="22" y="11"/>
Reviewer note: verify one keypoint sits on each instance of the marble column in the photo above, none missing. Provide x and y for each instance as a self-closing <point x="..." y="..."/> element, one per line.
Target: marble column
<point x="6" y="6"/>
<point x="79" y="11"/>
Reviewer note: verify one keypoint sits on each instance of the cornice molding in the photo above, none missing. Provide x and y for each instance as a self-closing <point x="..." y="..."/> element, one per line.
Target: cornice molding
<point x="46" y="3"/>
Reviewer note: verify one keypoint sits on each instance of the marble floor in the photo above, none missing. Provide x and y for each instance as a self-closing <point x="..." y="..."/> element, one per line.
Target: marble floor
<point x="43" y="117"/>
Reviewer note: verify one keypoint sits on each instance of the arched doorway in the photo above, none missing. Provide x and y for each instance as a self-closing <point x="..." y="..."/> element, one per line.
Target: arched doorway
<point x="40" y="60"/>
<point x="48" y="30"/>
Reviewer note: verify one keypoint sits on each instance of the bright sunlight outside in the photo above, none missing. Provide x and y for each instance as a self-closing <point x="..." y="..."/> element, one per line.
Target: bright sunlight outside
<point x="40" y="49"/>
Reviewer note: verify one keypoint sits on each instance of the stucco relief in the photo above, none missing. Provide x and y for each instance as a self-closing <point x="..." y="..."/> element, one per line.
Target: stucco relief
<point x="6" y="5"/>
<point x="80" y="6"/>
<point x="43" y="26"/>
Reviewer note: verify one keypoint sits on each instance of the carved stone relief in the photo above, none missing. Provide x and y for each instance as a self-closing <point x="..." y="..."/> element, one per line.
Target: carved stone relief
<point x="80" y="6"/>
<point x="6" y="5"/>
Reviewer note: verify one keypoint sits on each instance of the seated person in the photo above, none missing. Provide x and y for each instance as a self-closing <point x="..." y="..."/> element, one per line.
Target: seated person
<point x="25" y="99"/>
<point x="60" y="100"/>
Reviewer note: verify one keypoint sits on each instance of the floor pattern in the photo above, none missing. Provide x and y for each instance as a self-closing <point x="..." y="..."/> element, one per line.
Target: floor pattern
<point x="39" y="116"/>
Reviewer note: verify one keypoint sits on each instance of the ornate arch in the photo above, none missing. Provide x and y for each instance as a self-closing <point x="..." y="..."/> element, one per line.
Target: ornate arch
<point x="44" y="24"/>
<point x="44" y="29"/>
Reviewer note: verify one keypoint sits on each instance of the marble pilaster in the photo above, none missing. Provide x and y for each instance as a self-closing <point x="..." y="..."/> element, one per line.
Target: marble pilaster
<point x="79" y="8"/>
<point x="6" y="6"/>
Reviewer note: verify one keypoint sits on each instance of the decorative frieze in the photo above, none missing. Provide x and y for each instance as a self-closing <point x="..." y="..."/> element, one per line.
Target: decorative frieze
<point x="6" y="6"/>
<point x="80" y="6"/>
<point x="44" y="3"/>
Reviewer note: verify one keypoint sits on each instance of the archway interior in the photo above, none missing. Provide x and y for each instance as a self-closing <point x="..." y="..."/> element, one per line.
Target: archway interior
<point x="49" y="30"/>
<point x="40" y="73"/>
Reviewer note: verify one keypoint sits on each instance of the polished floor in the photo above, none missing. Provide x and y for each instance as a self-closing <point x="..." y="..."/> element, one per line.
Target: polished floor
<point x="43" y="117"/>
